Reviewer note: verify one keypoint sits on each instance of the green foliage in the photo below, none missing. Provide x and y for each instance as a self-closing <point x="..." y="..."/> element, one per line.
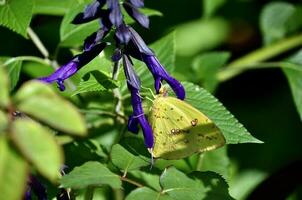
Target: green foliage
<point x="38" y="100"/>
<point x="4" y="89"/>
<point x="278" y="19"/>
<point x="54" y="7"/>
<point x="16" y="15"/>
<point x="128" y="157"/>
<point x="206" y="67"/>
<point x="294" y="76"/>
<point x="38" y="145"/>
<point x="204" y="35"/>
<point x="90" y="174"/>
<point x="13" y="172"/>
<point x="85" y="128"/>
<point x="74" y="35"/>
<point x="233" y="131"/>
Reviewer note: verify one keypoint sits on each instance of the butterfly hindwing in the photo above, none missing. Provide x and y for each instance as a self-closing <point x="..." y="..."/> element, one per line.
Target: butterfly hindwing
<point x="180" y="129"/>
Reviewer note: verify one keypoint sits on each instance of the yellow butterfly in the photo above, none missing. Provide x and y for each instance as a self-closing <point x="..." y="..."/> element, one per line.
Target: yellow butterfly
<point x="180" y="130"/>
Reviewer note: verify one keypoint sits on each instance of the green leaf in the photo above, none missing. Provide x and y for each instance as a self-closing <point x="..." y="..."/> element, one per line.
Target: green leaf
<point x="146" y="178"/>
<point x="13" y="172"/>
<point x="38" y="145"/>
<point x="4" y="89"/>
<point x="53" y="7"/>
<point x="245" y="182"/>
<point x="179" y="186"/>
<point x="74" y="35"/>
<point x="16" y="15"/>
<point x="90" y="174"/>
<point x="277" y="19"/>
<point x="3" y="121"/>
<point x="129" y="156"/>
<point x="211" y="6"/>
<point x="216" y="161"/>
<point x="198" y="185"/>
<point x="40" y="101"/>
<point x="216" y="187"/>
<point x="200" y="35"/>
<point x="14" y="70"/>
<point x="96" y="81"/>
<point x="146" y="194"/>
<point x="206" y="67"/>
<point x="294" y="77"/>
<point x="233" y="131"/>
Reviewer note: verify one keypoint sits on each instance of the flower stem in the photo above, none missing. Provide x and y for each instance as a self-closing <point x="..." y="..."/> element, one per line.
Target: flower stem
<point x="117" y="93"/>
<point x="250" y="60"/>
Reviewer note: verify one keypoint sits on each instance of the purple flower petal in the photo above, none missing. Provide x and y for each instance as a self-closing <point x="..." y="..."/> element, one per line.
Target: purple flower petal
<point x="73" y="66"/>
<point x="132" y="78"/>
<point x="138" y="116"/>
<point x="94" y="39"/>
<point x="115" y="15"/>
<point x="133" y="124"/>
<point x="158" y="71"/>
<point x="122" y="33"/>
<point x="137" y="3"/>
<point x="136" y="15"/>
<point x="138" y="113"/>
<point x="139" y="43"/>
<point x="91" y="12"/>
<point x="117" y="55"/>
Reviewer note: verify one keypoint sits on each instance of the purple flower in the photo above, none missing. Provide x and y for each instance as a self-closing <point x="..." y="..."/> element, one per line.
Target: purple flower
<point x="67" y="70"/>
<point x="138" y="116"/>
<point x="159" y="73"/>
<point x="91" y="12"/>
<point x="35" y="186"/>
<point x="145" y="54"/>
<point x="136" y="15"/>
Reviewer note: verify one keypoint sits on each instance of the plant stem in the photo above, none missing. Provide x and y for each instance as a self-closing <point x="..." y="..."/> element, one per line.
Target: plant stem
<point x="131" y="181"/>
<point x="41" y="47"/>
<point x="117" y="93"/>
<point x="262" y="54"/>
<point x="36" y="40"/>
<point x="26" y="58"/>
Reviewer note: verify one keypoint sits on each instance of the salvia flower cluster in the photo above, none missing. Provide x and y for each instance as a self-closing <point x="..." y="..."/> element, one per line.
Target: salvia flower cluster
<point x="129" y="44"/>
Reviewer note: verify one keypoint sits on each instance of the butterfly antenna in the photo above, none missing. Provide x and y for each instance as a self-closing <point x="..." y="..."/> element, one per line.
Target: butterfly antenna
<point x="149" y="89"/>
<point x="144" y="97"/>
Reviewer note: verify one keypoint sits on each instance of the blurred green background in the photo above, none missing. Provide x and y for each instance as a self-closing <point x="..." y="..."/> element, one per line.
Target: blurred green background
<point x="260" y="99"/>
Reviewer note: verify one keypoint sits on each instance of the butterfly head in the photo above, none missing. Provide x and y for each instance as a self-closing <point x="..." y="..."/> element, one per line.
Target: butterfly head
<point x="163" y="91"/>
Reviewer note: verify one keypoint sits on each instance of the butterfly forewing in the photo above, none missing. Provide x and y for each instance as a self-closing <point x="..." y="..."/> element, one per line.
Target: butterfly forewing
<point x="181" y="130"/>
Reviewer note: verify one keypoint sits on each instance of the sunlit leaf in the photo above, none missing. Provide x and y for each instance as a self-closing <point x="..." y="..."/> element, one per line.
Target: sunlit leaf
<point x="207" y="65"/>
<point x="13" y="172"/>
<point x="38" y="145"/>
<point x="3" y="121"/>
<point x="40" y="101"/>
<point x="4" y="89"/>
<point x="16" y="15"/>
<point x="53" y="7"/>
<point x="129" y="156"/>
<point x="200" y="35"/>
<point x="90" y="174"/>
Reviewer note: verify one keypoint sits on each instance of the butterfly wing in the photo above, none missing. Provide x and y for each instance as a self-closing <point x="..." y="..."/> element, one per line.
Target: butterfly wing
<point x="180" y="129"/>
